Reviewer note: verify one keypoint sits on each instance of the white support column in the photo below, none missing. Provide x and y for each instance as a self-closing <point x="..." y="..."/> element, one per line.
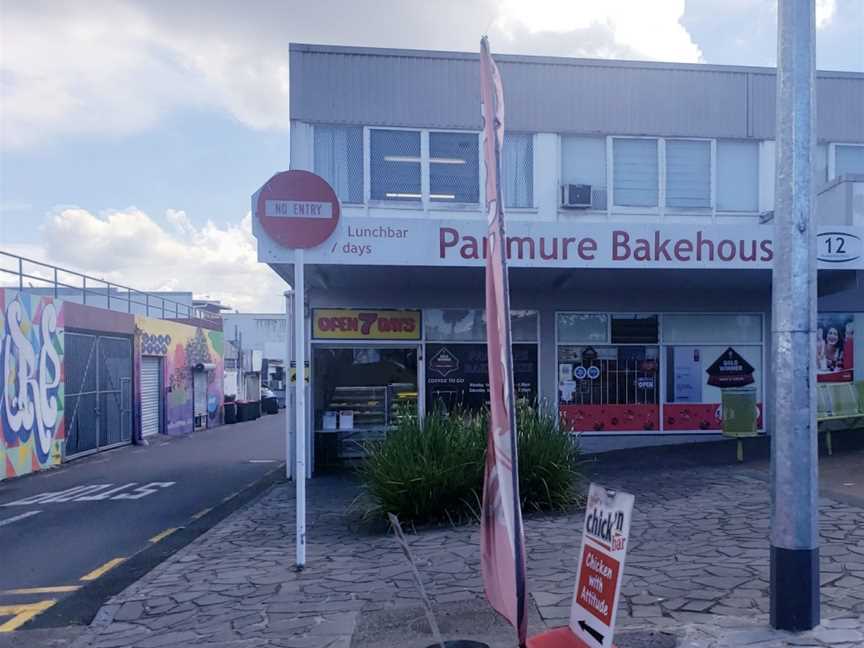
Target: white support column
<point x="300" y="408"/>
<point x="289" y="394"/>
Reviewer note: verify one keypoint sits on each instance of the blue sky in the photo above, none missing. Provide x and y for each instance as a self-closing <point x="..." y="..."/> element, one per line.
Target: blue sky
<point x="125" y="122"/>
<point x="205" y="162"/>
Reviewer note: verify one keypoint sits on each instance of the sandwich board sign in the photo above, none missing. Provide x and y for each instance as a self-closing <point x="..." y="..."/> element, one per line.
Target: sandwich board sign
<point x="601" y="566"/>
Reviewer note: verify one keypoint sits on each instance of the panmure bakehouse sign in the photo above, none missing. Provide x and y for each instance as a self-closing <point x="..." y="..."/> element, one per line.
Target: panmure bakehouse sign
<point x="413" y="242"/>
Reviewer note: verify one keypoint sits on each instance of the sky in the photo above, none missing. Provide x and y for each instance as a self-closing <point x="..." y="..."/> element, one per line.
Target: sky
<point x="132" y="133"/>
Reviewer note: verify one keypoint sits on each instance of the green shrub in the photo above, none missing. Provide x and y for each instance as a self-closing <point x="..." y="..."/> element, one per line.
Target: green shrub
<point x="427" y="470"/>
<point x="548" y="460"/>
<point x="432" y="470"/>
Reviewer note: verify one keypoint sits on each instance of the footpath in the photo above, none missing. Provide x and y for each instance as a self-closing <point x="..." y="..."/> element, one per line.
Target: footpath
<point x="696" y="576"/>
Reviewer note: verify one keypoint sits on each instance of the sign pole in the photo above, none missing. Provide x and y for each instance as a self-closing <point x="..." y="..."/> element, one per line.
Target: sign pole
<point x="300" y="406"/>
<point x="794" y="455"/>
<point x="289" y="395"/>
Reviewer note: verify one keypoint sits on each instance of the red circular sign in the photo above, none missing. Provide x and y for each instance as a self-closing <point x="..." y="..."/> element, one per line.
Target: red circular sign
<point x="298" y="209"/>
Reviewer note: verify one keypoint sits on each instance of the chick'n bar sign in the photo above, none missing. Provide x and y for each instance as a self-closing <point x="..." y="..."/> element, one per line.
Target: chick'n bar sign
<point x="601" y="566"/>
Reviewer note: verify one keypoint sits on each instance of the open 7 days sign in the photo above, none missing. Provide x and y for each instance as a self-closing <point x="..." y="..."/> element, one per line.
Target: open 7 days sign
<point x="601" y="566"/>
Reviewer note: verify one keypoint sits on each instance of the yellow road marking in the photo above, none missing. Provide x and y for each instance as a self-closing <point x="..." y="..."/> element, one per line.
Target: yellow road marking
<point x="201" y="514"/>
<point x="228" y="498"/>
<point x="100" y="571"/>
<point x="163" y="535"/>
<point x="21" y="614"/>
<point x="58" y="589"/>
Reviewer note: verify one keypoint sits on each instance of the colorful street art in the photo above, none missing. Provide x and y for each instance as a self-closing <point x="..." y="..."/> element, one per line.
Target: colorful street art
<point x="183" y="347"/>
<point x="31" y="382"/>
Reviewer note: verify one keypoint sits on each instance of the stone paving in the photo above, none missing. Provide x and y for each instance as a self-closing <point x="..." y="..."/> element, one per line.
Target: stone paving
<point x="697" y="568"/>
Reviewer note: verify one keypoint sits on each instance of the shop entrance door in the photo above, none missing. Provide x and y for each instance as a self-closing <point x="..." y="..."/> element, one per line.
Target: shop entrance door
<point x="360" y="393"/>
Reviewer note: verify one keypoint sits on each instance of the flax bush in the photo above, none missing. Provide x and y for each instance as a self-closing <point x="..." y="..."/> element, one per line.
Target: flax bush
<point x="431" y="470"/>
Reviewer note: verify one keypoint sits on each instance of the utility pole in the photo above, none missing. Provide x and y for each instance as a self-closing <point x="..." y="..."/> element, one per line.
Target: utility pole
<point x="794" y="455"/>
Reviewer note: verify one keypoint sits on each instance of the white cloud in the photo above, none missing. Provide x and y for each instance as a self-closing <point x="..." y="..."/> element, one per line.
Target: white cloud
<point x="115" y="67"/>
<point x="825" y="10"/>
<point x="131" y="248"/>
<point x="648" y="29"/>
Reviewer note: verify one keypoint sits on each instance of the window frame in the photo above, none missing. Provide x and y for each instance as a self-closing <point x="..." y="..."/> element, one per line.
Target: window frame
<point x="832" y="157"/>
<point x="663" y="210"/>
<point x="534" y="187"/>
<point x="364" y="157"/>
<point x="662" y="345"/>
<point x="425" y="203"/>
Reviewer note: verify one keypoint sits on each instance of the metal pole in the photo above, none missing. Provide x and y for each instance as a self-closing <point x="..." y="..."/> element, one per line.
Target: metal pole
<point x="84" y="289"/>
<point x="794" y="457"/>
<point x="20" y="274"/>
<point x="289" y="395"/>
<point x="108" y="292"/>
<point x="300" y="408"/>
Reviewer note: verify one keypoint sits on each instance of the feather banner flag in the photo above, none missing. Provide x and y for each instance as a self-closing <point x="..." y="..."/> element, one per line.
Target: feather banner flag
<point x="502" y="555"/>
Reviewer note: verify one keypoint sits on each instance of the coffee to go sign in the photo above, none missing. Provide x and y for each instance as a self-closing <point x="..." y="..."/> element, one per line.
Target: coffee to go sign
<point x="365" y="324"/>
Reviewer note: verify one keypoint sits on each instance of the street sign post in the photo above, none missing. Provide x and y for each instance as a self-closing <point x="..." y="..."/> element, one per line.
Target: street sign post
<point x="298" y="210"/>
<point x="601" y="566"/>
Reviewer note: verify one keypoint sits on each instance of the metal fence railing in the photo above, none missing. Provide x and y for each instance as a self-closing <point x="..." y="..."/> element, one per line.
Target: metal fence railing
<point x="36" y="277"/>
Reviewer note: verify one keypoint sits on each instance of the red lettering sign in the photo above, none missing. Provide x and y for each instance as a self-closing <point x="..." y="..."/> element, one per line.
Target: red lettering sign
<point x="598" y="578"/>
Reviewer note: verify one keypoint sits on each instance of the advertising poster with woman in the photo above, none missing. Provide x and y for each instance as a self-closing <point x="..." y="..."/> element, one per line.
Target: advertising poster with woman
<point x="835" y="347"/>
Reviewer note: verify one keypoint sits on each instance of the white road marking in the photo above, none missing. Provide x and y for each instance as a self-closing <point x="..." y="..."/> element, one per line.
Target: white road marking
<point x="23" y="516"/>
<point x="93" y="493"/>
<point x="262" y="461"/>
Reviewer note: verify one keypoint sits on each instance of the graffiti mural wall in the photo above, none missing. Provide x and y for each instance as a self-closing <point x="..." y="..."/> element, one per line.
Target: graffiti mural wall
<point x="31" y="382"/>
<point x="183" y="347"/>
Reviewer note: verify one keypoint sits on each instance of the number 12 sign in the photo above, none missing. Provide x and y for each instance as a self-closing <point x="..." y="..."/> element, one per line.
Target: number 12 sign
<point x="601" y="566"/>
<point x="838" y="247"/>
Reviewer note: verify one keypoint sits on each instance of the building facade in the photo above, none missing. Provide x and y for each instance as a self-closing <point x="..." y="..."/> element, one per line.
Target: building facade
<point x="77" y="379"/>
<point x="639" y="201"/>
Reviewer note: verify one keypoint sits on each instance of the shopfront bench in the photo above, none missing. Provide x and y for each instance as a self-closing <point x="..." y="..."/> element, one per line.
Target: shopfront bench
<point x="840" y="406"/>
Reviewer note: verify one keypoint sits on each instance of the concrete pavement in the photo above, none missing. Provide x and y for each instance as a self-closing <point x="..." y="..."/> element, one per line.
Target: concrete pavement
<point x="697" y="573"/>
<point x="73" y="536"/>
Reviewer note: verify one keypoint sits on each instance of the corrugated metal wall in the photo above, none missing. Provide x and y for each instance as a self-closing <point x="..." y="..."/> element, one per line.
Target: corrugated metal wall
<point x="440" y="90"/>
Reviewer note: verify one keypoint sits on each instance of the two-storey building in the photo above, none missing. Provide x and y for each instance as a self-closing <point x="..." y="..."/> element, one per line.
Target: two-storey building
<point x="639" y="202"/>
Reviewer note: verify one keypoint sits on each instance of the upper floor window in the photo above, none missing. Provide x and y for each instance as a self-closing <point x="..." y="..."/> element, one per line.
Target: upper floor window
<point x="518" y="170"/>
<point x="696" y="174"/>
<point x="454" y="167"/>
<point x="737" y="176"/>
<point x="395" y="165"/>
<point x="635" y="177"/>
<point x="339" y="160"/>
<point x="402" y="162"/>
<point x="849" y="159"/>
<point x="583" y="161"/>
<point x="688" y="173"/>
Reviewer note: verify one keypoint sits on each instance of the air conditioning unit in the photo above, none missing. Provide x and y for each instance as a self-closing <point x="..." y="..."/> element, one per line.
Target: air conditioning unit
<point x="576" y="196"/>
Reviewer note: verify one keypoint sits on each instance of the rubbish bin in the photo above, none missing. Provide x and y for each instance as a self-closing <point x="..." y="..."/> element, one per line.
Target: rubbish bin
<point x="248" y="410"/>
<point x="270" y="405"/>
<point x="230" y="412"/>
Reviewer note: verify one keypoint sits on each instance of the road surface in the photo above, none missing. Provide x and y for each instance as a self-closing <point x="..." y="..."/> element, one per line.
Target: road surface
<point x="73" y="536"/>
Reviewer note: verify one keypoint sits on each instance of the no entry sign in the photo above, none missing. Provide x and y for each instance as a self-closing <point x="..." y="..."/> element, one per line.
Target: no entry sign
<point x="297" y="209"/>
<point x="601" y="566"/>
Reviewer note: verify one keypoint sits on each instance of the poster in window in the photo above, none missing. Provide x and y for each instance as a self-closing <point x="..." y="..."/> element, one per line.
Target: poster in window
<point x="835" y="347"/>
<point x="457" y="375"/>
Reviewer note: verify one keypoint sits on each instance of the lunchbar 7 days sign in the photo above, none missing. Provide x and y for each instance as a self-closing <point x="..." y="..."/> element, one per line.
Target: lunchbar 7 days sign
<point x="601" y="566"/>
<point x="435" y="242"/>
